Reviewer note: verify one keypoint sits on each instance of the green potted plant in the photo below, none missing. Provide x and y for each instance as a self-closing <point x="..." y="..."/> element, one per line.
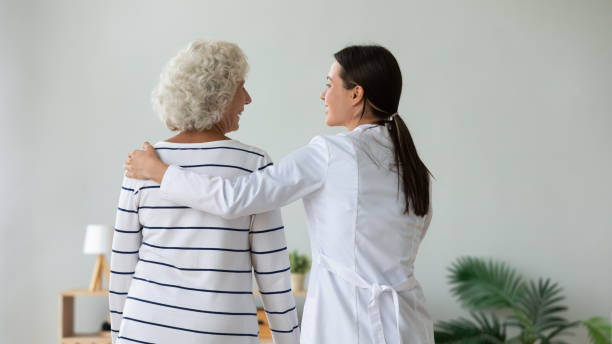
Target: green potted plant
<point x="300" y="265"/>
<point x="490" y="290"/>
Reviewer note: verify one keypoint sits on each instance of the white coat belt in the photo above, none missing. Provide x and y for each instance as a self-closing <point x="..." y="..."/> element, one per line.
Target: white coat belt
<point x="377" y="291"/>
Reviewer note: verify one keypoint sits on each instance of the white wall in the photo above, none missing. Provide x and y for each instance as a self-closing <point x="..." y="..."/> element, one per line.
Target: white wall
<point x="508" y="101"/>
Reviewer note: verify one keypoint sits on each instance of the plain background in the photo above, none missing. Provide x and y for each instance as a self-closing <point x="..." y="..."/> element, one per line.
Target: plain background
<point x="509" y="103"/>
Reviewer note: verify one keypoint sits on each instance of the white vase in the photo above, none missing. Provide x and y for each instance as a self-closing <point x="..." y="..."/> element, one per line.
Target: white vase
<point x="297" y="282"/>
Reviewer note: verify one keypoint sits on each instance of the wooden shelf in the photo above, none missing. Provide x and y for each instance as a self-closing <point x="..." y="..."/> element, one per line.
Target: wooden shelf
<point x="86" y="339"/>
<point x="84" y="292"/>
<point x="67" y="316"/>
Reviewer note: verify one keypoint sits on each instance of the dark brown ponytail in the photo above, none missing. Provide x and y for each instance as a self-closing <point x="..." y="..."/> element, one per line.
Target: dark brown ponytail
<point x="376" y="70"/>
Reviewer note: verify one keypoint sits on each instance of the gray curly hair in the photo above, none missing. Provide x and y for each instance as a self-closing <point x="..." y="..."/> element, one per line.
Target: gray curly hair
<point x="197" y="84"/>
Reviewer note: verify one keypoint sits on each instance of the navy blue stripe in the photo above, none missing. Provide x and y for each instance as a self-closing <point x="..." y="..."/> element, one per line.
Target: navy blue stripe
<point x="193" y="289"/>
<point x="142" y="188"/>
<point x="272" y="272"/>
<point x="194" y="269"/>
<point x="125" y="252"/>
<point x="117" y="293"/>
<point x="207" y="148"/>
<point x="195" y="248"/>
<point x="267" y="230"/>
<point x="212" y="228"/>
<point x="266" y="252"/>
<point x="262" y="167"/>
<point x="274" y="292"/>
<point x="189" y="330"/>
<point x="164" y="207"/>
<point x="279" y="331"/>
<point x="283" y="312"/>
<point x="114" y="330"/>
<point x="116" y="312"/>
<point x="217" y="165"/>
<point x="188" y="309"/>
<point x="121" y="273"/>
<point x="147" y="187"/>
<point x="128" y="211"/>
<point x="134" y="340"/>
<point x="150" y="187"/>
<point x="124" y="231"/>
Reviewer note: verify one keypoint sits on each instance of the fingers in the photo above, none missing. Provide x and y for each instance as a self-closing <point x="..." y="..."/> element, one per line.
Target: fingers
<point x="129" y="171"/>
<point x="130" y="155"/>
<point x="137" y="160"/>
<point x="128" y="160"/>
<point x="147" y="146"/>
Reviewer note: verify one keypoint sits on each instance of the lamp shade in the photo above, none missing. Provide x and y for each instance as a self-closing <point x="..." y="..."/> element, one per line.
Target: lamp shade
<point x="98" y="239"/>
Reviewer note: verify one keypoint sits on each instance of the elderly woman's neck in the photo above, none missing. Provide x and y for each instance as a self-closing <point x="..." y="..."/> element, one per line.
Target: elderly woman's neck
<point x="198" y="136"/>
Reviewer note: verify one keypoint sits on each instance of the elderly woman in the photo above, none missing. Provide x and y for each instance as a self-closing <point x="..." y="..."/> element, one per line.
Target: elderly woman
<point x="180" y="275"/>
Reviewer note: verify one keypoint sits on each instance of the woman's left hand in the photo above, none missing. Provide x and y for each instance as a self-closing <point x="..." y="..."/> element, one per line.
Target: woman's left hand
<point x="145" y="164"/>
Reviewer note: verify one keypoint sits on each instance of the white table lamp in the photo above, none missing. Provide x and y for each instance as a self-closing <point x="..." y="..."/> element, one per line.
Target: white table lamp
<point x="98" y="240"/>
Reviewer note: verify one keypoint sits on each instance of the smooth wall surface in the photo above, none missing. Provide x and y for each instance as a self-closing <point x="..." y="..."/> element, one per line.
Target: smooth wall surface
<point x="508" y="101"/>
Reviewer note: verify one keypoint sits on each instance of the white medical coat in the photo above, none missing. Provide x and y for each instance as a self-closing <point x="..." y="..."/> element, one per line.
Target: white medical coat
<point x="362" y="287"/>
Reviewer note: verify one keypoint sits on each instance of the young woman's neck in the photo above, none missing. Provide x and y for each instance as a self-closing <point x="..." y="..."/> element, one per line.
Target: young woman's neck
<point x="209" y="135"/>
<point x="367" y="118"/>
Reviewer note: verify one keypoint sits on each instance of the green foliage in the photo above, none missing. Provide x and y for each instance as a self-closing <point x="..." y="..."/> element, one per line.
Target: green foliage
<point x="539" y="313"/>
<point x="600" y="331"/>
<point x="300" y="263"/>
<point x="482" y="285"/>
<point x="479" y="331"/>
<point x="536" y="308"/>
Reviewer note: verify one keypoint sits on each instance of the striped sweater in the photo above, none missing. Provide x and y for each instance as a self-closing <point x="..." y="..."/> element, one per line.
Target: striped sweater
<point x="183" y="276"/>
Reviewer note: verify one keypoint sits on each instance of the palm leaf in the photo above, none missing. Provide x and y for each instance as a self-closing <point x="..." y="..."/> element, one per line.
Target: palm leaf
<point x="480" y="284"/>
<point x="539" y="313"/>
<point x="599" y="330"/>
<point x="479" y="330"/>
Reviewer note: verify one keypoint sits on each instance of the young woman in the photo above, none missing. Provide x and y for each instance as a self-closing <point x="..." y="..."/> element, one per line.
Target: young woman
<point x="366" y="194"/>
<point x="180" y="275"/>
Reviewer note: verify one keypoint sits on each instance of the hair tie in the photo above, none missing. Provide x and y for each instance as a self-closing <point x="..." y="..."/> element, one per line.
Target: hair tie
<point x="393" y="116"/>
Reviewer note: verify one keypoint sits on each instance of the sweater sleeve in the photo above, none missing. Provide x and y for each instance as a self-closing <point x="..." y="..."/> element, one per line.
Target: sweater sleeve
<point x="126" y="244"/>
<point x="297" y="175"/>
<point x="271" y="267"/>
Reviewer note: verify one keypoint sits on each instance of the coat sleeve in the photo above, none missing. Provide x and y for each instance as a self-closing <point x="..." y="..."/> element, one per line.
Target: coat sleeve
<point x="297" y="175"/>
<point x="127" y="239"/>
<point x="271" y="267"/>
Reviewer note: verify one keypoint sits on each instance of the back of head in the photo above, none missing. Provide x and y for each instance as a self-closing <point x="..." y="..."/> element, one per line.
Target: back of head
<point x="376" y="70"/>
<point x="198" y="83"/>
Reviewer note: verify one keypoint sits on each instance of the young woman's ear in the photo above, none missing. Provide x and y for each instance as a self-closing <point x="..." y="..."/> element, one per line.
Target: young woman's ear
<point x="357" y="94"/>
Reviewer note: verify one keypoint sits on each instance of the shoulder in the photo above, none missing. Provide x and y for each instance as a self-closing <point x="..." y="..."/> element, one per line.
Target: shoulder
<point x="248" y="148"/>
<point x="320" y="144"/>
<point x="210" y="146"/>
<point x="332" y="144"/>
<point x="259" y="155"/>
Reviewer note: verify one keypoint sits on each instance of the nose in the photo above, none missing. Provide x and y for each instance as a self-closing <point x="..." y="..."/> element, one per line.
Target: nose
<point x="322" y="96"/>
<point x="247" y="98"/>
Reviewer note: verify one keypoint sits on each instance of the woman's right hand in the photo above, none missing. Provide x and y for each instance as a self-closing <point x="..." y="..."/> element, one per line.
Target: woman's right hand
<point x="145" y="164"/>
